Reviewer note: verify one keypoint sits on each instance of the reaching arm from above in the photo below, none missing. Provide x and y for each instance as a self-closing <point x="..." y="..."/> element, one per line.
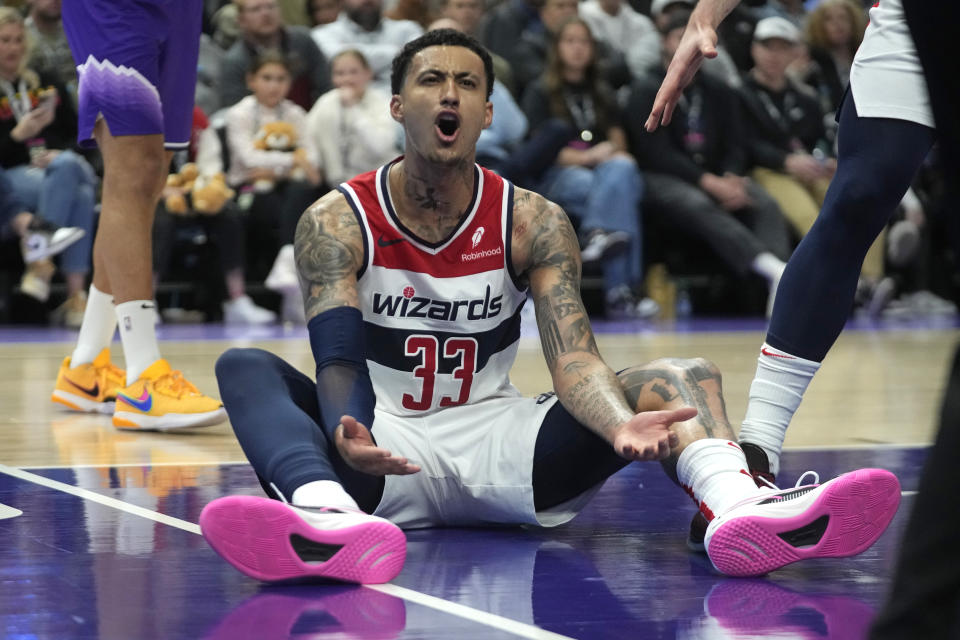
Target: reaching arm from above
<point x="699" y="41"/>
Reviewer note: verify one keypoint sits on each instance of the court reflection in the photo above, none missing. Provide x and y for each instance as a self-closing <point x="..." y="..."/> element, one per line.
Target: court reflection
<point x="314" y="612"/>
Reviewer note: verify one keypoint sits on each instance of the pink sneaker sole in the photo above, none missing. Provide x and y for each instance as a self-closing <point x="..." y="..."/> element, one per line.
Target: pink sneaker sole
<point x="854" y="508"/>
<point x="254" y="535"/>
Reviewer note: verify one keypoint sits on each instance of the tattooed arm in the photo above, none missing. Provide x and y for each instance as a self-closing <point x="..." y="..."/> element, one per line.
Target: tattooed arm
<point x="329" y="252"/>
<point x="545" y="249"/>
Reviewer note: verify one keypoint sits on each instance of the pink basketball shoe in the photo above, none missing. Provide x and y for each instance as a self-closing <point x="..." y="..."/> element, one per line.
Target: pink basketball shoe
<point x="839" y="518"/>
<point x="272" y="541"/>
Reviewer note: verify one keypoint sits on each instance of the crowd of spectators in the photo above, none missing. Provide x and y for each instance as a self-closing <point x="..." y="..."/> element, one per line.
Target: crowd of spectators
<point x="292" y="98"/>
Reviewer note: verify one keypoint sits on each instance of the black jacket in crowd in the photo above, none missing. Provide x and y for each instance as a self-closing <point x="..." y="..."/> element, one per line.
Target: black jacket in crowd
<point x="781" y="122"/>
<point x="706" y="134"/>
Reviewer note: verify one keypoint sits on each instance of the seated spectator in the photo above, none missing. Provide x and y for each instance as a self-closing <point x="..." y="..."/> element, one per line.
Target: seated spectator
<point x="632" y="34"/>
<point x="38" y="131"/>
<point x="321" y="12"/>
<point x="530" y="55"/>
<point x="788" y="142"/>
<point x="220" y="219"/>
<point x="793" y="10"/>
<point x="420" y="11"/>
<point x="49" y="51"/>
<point x="694" y="172"/>
<point x="468" y="14"/>
<point x="262" y="31"/>
<point x="361" y="26"/>
<point x="834" y="33"/>
<point x="350" y="125"/>
<point x="277" y="176"/>
<point x="501" y="29"/>
<point x="594" y="179"/>
<point x="39" y="240"/>
<point x="509" y="125"/>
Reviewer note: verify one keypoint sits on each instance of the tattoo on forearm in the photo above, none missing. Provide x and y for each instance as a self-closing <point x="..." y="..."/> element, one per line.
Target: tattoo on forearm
<point x="550" y="339"/>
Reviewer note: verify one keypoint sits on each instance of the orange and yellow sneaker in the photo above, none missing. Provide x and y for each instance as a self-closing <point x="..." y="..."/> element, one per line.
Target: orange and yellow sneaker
<point x="90" y="387"/>
<point x="161" y="398"/>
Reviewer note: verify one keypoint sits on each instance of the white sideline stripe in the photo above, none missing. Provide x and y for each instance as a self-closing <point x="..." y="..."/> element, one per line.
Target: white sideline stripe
<point x="93" y="496"/>
<point x="504" y="624"/>
<point x="865" y="445"/>
<point x="121" y="465"/>
<point x="520" y="629"/>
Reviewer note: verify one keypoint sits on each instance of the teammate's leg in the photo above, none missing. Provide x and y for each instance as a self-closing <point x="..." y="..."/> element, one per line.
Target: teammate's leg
<point x="878" y="158"/>
<point x="317" y="529"/>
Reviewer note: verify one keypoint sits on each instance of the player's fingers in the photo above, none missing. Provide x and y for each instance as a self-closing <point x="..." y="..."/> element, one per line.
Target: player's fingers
<point x="673" y="439"/>
<point x="681" y="415"/>
<point x="664" y="449"/>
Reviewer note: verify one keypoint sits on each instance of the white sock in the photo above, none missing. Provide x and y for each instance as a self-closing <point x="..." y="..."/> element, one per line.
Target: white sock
<point x="775" y="395"/>
<point x="138" y="333"/>
<point x="713" y="471"/>
<point x="322" y="493"/>
<point x="769" y="266"/>
<point x="96" y="332"/>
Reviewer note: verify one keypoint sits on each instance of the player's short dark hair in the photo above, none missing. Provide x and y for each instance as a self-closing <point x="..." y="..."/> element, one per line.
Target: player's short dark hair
<point x="438" y="38"/>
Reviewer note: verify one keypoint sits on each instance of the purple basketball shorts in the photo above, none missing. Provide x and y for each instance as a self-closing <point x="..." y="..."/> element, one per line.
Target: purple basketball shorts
<point x="136" y="64"/>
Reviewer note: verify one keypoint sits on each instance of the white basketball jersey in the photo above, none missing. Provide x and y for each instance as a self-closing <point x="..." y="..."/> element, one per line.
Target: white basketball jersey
<point x="886" y="78"/>
<point x="442" y="319"/>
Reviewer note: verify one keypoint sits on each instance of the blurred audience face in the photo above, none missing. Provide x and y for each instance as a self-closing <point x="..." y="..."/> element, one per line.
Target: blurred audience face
<point x="611" y="7"/>
<point x="837" y="25"/>
<point x="48" y="10"/>
<point x="269" y="84"/>
<point x="13" y="48"/>
<point x="466" y="12"/>
<point x="554" y="13"/>
<point x="324" y="11"/>
<point x="445" y="23"/>
<point x="365" y="13"/>
<point x="259" y="18"/>
<point x="771" y="57"/>
<point x="574" y="47"/>
<point x="671" y="40"/>
<point x="348" y="71"/>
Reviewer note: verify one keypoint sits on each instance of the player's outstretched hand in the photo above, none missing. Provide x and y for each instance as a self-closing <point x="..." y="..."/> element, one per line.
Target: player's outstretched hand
<point x="359" y="451"/>
<point x="647" y="435"/>
<point x="697" y="43"/>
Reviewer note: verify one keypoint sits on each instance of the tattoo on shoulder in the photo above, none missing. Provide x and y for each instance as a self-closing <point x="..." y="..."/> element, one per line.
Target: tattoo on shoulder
<point x="329" y="251"/>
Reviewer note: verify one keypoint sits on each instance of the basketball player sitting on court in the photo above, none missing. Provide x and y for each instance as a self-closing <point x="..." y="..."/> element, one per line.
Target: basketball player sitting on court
<point x="414" y="276"/>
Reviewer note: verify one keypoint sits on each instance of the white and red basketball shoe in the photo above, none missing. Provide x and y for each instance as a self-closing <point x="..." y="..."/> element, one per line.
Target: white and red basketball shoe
<point x="839" y="518"/>
<point x="273" y="542"/>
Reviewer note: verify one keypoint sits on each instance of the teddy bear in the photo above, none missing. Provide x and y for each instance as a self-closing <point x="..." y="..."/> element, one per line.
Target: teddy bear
<point x="179" y="184"/>
<point x="210" y="193"/>
<point x="280" y="136"/>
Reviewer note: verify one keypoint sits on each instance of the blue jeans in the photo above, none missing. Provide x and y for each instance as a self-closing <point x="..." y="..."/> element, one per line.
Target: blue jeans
<point x="63" y="194"/>
<point x="604" y="197"/>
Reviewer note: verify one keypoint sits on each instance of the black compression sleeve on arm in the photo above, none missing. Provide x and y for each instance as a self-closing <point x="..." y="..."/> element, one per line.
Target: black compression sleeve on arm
<point x="338" y="342"/>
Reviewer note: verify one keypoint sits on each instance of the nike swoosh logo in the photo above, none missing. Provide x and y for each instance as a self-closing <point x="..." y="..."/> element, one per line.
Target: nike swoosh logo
<point x="143" y="403"/>
<point x="775" y="355"/>
<point x="386" y="243"/>
<point x="92" y="391"/>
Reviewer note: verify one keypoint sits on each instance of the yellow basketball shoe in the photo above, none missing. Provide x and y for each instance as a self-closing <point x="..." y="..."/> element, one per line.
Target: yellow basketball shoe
<point x="161" y="398"/>
<point x="90" y="387"/>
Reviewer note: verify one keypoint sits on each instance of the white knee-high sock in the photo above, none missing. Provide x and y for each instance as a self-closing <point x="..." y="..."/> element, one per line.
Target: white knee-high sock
<point x="137" y="322"/>
<point x="713" y="472"/>
<point x="96" y="331"/>
<point x="322" y="493"/>
<point x="775" y="395"/>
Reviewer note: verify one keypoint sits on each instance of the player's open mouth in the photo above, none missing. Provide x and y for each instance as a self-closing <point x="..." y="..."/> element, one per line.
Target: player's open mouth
<point x="448" y="125"/>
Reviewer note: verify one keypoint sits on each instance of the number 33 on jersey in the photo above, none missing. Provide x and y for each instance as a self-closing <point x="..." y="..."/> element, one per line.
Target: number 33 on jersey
<point x="442" y="319"/>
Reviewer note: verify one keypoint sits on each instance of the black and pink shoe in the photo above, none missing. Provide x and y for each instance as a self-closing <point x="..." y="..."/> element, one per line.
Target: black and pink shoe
<point x="274" y="542"/>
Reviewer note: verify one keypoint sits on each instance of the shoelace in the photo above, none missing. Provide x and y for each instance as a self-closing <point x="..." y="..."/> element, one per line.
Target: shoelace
<point x="175" y="384"/>
<point x="816" y="481"/>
